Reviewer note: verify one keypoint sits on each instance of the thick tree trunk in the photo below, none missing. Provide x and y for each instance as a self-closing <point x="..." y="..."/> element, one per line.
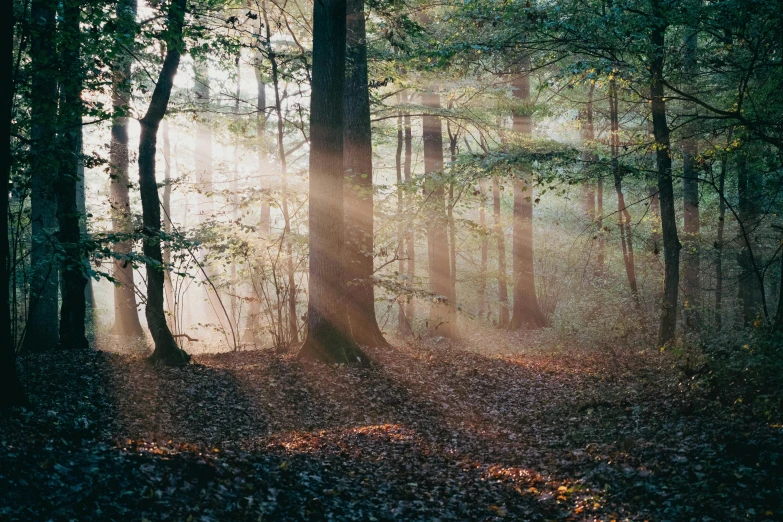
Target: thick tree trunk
<point x="126" y="315"/>
<point x="72" y="312"/>
<point x="166" y="349"/>
<point x="11" y="391"/>
<point x="329" y="336"/>
<point x="357" y="154"/>
<point x="690" y="196"/>
<point x="441" y="318"/>
<point x="671" y="243"/>
<point x="623" y="216"/>
<point x="41" y="328"/>
<point x="526" y="312"/>
<point x="500" y="237"/>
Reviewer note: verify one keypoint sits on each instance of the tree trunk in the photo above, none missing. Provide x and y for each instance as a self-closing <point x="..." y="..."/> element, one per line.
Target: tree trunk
<point x="293" y="331"/>
<point x="329" y="336"/>
<point x="11" y="391"/>
<point x="126" y="315"/>
<point x="623" y="216"/>
<point x="357" y="154"/>
<point x="440" y="317"/>
<point x="452" y="226"/>
<point x="166" y="349"/>
<point x="500" y="235"/>
<point x="403" y="324"/>
<point x="749" y="287"/>
<point x="483" y="309"/>
<point x="526" y="312"/>
<point x="41" y="329"/>
<point x="588" y="159"/>
<point x="265" y="210"/>
<point x="719" y="241"/>
<point x="410" y="236"/>
<point x="171" y="304"/>
<point x="671" y="243"/>
<point x="73" y="310"/>
<point x="690" y="196"/>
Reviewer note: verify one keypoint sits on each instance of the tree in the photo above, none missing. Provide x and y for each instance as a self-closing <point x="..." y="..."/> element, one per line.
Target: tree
<point x="329" y="336"/>
<point x="442" y="319"/>
<point x="526" y="312"/>
<point x="357" y="151"/>
<point x="671" y="243"/>
<point x="126" y="315"/>
<point x="41" y="329"/>
<point x="74" y="281"/>
<point x="690" y="197"/>
<point x="166" y="350"/>
<point x="11" y="391"/>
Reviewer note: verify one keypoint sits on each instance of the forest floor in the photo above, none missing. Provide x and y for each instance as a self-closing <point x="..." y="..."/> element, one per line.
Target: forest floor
<point x="431" y="432"/>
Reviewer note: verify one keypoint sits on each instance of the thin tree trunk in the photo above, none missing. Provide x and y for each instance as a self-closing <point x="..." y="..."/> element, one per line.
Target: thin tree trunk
<point x="440" y="316"/>
<point x="329" y="336"/>
<point x="623" y="216"/>
<point x="166" y="349"/>
<point x="452" y="228"/>
<point x="690" y="196"/>
<point x="483" y="311"/>
<point x="11" y="390"/>
<point x="73" y="310"/>
<point x="265" y="218"/>
<point x="168" y="283"/>
<point x="526" y="312"/>
<point x="588" y="159"/>
<point x="749" y="286"/>
<point x="719" y="242"/>
<point x="410" y="239"/>
<point x="357" y="154"/>
<point x="671" y="243"/>
<point x="293" y="330"/>
<point x="500" y="235"/>
<point x="599" y="222"/>
<point x="403" y="324"/>
<point x="42" y="326"/>
<point x="126" y="315"/>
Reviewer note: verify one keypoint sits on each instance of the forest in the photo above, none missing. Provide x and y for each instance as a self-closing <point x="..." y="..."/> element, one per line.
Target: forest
<point x="391" y="260"/>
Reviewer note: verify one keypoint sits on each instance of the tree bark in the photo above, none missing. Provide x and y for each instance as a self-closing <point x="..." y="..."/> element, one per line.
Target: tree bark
<point x="11" y="390"/>
<point x="500" y="236"/>
<point x="441" y="318"/>
<point x="690" y="196"/>
<point x="748" y="287"/>
<point x="403" y="323"/>
<point x="329" y="336"/>
<point x="671" y="243"/>
<point x="526" y="312"/>
<point x="166" y="350"/>
<point x="483" y="308"/>
<point x="357" y="154"/>
<point x="293" y="331"/>
<point x="126" y="315"/>
<point x="720" y="239"/>
<point x="72" y="312"/>
<point x="168" y="283"/>
<point x="410" y="236"/>
<point x="623" y="216"/>
<point x="42" y="326"/>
